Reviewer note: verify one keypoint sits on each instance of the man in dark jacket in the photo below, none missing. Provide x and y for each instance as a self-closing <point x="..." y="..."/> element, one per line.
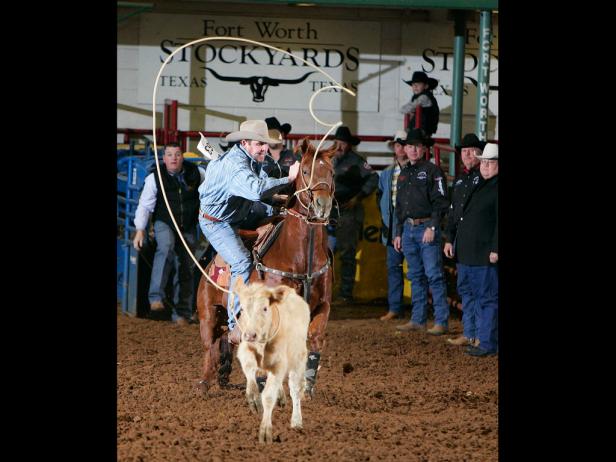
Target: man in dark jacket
<point x="278" y="160"/>
<point x="421" y="203"/>
<point x="463" y="185"/>
<point x="476" y="247"/>
<point x="354" y="180"/>
<point x="180" y="181"/>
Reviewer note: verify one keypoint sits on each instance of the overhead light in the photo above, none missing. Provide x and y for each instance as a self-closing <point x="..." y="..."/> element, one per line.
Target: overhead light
<point x="303" y="4"/>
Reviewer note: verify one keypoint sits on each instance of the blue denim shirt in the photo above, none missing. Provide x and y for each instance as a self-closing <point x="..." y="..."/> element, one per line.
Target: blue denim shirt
<point x="232" y="182"/>
<point x="385" y="205"/>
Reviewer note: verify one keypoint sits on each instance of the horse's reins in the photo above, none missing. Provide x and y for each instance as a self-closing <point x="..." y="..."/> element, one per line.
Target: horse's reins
<point x="331" y="187"/>
<point x="308" y="187"/>
<point x="308" y="276"/>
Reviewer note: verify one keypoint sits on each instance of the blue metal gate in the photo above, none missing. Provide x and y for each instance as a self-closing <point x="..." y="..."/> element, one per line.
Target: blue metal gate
<point x="133" y="268"/>
<point x="132" y="168"/>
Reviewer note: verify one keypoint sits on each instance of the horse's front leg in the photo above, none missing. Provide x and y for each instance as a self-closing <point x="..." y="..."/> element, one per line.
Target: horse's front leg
<point x="316" y="340"/>
<point x="210" y="331"/>
<point x="316" y="329"/>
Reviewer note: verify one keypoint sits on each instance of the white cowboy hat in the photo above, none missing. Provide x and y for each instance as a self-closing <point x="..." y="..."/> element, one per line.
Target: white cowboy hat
<point x="252" y="130"/>
<point x="489" y="152"/>
<point x="399" y="136"/>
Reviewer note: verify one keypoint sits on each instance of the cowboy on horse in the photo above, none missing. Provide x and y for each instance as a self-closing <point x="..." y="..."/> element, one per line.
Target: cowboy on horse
<point x="230" y="198"/>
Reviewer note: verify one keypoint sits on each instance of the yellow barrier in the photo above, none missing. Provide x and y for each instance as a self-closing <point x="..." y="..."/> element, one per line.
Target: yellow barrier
<point x="371" y="273"/>
<point x="137" y="147"/>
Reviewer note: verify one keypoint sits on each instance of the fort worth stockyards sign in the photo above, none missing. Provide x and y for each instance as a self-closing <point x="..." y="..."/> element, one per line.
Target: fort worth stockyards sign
<point x="237" y="74"/>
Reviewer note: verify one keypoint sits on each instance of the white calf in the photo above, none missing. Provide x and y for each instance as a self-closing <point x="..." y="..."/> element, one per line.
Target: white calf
<point x="274" y="324"/>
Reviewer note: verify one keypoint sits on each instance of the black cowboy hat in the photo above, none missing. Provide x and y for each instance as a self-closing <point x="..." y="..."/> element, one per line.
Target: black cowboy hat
<point x="344" y="134"/>
<point x="418" y="136"/>
<point x="419" y="76"/>
<point x="272" y="122"/>
<point x="470" y="140"/>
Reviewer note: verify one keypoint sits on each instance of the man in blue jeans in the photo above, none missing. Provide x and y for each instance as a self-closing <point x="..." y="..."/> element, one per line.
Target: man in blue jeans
<point x="420" y="205"/>
<point x="463" y="185"/>
<point x="230" y="197"/>
<point x="476" y="247"/>
<point x="180" y="181"/>
<point x="386" y="201"/>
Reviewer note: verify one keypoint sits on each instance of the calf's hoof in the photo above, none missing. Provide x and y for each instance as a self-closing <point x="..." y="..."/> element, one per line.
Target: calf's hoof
<point x="297" y="425"/>
<point x="265" y="434"/>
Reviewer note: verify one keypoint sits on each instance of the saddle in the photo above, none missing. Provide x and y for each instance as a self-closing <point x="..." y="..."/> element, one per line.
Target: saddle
<point x="257" y="241"/>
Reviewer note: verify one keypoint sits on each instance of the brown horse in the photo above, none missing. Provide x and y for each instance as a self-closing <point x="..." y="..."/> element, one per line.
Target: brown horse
<point x="298" y="258"/>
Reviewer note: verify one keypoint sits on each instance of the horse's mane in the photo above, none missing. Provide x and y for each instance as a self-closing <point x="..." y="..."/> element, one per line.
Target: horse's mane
<point x="325" y="152"/>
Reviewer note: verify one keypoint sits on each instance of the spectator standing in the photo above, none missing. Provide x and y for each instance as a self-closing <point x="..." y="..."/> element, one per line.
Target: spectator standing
<point x="354" y="180"/>
<point x="278" y="159"/>
<point x="181" y="181"/>
<point x="476" y="247"/>
<point x="463" y="184"/>
<point x="420" y="205"/>
<point x="386" y="201"/>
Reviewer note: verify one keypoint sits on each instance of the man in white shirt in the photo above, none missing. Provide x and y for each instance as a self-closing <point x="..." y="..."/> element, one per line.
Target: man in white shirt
<point x="181" y="182"/>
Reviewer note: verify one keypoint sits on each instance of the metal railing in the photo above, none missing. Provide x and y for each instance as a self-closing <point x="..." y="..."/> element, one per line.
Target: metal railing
<point x="170" y="133"/>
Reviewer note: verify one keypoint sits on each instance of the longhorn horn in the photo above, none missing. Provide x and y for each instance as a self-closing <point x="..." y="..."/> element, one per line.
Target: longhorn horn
<point x="274" y="82"/>
<point x="242" y="80"/>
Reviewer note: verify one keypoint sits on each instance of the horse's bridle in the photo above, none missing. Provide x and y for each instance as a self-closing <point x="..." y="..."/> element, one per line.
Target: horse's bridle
<point x="307" y="277"/>
<point x="309" y="190"/>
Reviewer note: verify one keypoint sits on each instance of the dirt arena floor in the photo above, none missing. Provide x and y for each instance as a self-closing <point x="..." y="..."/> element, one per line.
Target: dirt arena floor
<point x="409" y="397"/>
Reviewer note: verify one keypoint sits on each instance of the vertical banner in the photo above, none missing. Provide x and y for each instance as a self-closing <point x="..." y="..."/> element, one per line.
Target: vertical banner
<point x="483" y="75"/>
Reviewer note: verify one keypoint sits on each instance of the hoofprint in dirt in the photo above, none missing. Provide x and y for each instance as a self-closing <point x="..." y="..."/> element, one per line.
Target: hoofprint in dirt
<point x="382" y="395"/>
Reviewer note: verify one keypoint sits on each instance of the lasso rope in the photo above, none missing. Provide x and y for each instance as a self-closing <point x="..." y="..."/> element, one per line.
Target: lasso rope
<point x="332" y="127"/>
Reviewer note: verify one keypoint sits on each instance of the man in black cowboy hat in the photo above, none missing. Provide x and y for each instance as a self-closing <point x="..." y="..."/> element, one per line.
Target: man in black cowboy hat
<point x="279" y="158"/>
<point x="273" y="123"/>
<point x="226" y="147"/>
<point x="462" y="187"/>
<point x="354" y="180"/>
<point x="422" y="86"/>
<point x="421" y="202"/>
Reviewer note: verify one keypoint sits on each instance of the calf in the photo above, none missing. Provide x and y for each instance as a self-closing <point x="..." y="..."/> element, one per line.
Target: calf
<point x="274" y="325"/>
